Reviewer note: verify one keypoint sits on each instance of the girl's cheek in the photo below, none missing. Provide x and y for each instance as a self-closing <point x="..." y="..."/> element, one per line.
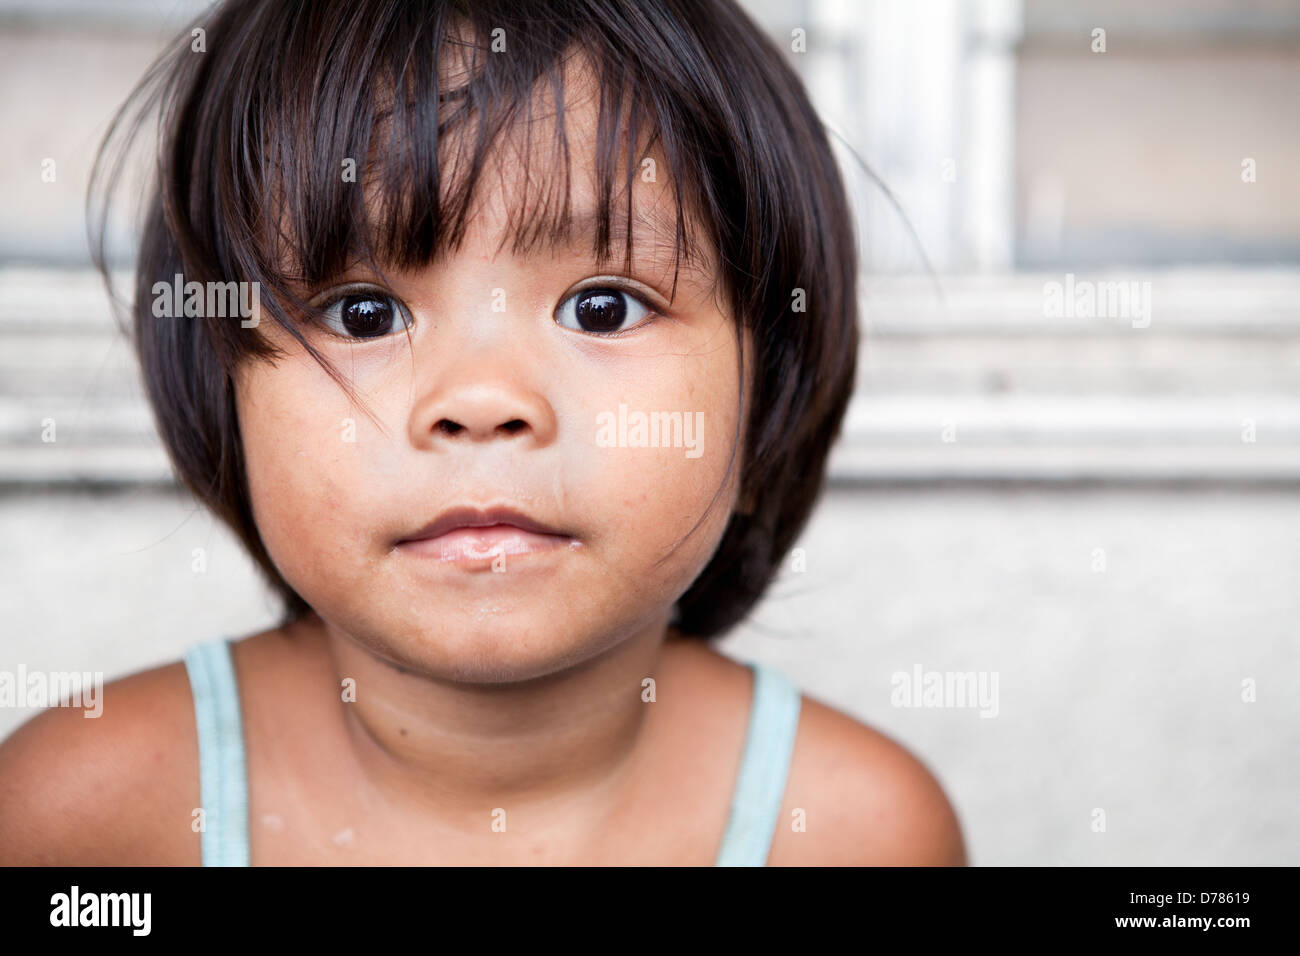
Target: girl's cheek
<point x="298" y="462"/>
<point x="659" y="446"/>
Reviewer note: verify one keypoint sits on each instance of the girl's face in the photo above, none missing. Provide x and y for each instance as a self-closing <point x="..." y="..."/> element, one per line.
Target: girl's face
<point x="503" y="395"/>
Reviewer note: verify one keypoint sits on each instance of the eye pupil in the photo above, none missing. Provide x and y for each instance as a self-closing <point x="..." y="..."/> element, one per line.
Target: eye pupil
<point x="600" y="310"/>
<point x="366" y="315"/>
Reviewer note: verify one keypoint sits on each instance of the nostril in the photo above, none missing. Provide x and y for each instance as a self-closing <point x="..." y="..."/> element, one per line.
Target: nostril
<point x="514" y="425"/>
<point x="449" y="427"/>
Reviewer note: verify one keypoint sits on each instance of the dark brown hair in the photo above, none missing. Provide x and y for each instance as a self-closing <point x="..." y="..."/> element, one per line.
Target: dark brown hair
<point x="251" y="132"/>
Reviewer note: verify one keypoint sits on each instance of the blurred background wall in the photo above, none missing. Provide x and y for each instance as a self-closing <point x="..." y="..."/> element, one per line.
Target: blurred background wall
<point x="1099" y="509"/>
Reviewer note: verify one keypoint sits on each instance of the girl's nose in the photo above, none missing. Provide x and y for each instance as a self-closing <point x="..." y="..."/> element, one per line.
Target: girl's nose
<point x="471" y="405"/>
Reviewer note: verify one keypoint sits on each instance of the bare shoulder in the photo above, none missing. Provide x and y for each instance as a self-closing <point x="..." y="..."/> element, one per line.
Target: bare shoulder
<point x="854" y="796"/>
<point x="863" y="800"/>
<point x="112" y="789"/>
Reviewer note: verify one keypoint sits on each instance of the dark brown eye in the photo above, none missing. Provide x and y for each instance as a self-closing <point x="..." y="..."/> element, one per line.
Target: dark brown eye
<point x="600" y="311"/>
<point x="365" y="315"/>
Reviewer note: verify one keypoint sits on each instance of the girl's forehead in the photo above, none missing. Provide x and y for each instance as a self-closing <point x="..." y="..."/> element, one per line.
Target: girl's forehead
<point x="559" y="198"/>
<point x="566" y="156"/>
<point x="540" y="186"/>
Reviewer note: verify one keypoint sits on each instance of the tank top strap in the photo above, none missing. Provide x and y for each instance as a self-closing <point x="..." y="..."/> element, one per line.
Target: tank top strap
<point x="765" y="764"/>
<point x="223" y="781"/>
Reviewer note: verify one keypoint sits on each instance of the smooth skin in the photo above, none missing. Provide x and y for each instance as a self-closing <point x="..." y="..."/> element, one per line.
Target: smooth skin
<point x="479" y="690"/>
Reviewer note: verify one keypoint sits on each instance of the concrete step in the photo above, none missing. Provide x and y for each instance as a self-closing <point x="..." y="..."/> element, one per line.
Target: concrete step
<point x="1243" y="437"/>
<point x="1246" y="302"/>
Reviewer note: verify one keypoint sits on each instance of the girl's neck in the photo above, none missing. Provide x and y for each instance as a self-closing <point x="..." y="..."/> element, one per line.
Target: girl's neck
<point x="569" y="738"/>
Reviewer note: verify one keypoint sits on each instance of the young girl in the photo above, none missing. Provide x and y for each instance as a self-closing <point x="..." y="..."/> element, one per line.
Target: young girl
<point x="553" y="326"/>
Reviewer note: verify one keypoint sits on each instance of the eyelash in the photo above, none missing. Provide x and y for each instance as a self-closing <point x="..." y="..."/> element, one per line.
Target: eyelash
<point x="653" y="312"/>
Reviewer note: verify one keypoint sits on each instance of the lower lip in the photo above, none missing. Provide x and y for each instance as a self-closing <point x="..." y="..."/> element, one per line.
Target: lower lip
<point x="486" y="544"/>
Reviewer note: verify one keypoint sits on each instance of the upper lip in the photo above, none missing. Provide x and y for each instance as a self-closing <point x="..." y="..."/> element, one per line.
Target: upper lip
<point x="455" y="518"/>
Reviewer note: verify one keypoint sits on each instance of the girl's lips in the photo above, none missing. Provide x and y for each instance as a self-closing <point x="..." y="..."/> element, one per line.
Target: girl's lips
<point x="485" y="543"/>
<point x="471" y="517"/>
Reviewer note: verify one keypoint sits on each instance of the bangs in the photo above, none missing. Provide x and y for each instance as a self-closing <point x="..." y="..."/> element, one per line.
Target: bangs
<point x="379" y="153"/>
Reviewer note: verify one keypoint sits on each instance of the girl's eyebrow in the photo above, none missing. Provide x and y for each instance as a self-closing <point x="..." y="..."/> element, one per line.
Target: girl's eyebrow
<point x="653" y="228"/>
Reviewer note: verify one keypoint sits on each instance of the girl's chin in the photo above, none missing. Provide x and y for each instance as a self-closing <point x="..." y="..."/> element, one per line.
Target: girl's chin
<point x="500" y="656"/>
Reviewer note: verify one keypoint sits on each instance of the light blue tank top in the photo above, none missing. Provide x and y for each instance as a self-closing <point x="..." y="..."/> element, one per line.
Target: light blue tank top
<point x="223" y="782"/>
